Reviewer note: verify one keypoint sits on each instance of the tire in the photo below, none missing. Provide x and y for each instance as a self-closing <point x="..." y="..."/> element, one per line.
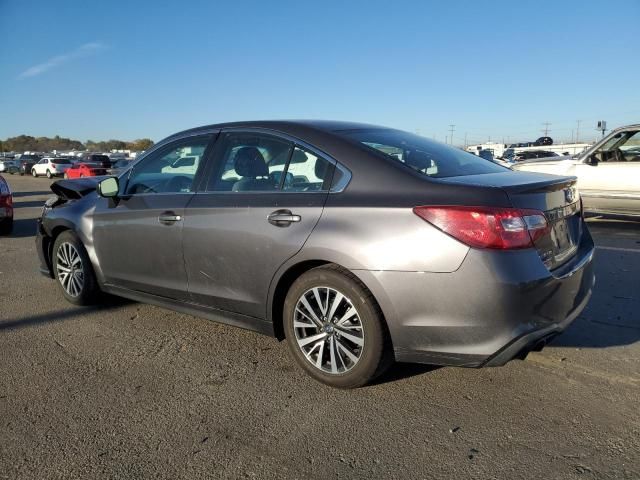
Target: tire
<point x="83" y="289"/>
<point x="65" y="176"/>
<point x="33" y="172"/>
<point x="6" y="226"/>
<point x="372" y="352"/>
<point x="49" y="175"/>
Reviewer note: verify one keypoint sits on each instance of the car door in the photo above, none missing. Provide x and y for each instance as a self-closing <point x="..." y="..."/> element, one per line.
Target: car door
<point x="138" y="237"/>
<point x="263" y="196"/>
<point x="41" y="166"/>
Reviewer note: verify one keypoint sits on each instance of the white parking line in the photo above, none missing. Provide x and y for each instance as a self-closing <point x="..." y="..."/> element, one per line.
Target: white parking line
<point x="618" y="249"/>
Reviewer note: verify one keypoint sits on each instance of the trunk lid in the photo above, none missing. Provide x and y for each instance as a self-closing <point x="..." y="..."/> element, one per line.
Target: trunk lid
<point x="556" y="196"/>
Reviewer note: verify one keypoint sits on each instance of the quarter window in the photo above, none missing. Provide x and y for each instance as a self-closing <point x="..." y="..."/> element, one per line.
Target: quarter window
<point x="171" y="169"/>
<point x="307" y="172"/>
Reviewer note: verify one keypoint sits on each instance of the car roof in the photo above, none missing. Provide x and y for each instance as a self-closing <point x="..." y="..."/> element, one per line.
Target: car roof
<point x="287" y="126"/>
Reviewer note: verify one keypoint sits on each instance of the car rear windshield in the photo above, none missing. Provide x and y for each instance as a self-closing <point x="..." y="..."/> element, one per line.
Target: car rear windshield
<point x="426" y="156"/>
<point x="62" y="161"/>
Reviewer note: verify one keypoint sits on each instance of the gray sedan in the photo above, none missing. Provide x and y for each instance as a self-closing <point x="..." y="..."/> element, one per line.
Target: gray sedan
<point x="359" y="245"/>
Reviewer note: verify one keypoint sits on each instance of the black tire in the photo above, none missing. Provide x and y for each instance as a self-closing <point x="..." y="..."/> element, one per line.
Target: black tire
<point x="90" y="292"/>
<point x="376" y="355"/>
<point x="49" y="175"/>
<point x="33" y="172"/>
<point x="6" y="226"/>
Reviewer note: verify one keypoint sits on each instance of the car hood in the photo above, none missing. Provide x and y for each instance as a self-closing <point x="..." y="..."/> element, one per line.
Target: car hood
<point x="77" y="188"/>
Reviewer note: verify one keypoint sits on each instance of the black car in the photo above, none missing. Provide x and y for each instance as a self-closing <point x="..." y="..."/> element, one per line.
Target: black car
<point x="27" y="161"/>
<point x="96" y="158"/>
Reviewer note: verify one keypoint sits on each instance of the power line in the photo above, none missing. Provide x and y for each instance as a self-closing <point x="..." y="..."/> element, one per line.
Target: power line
<point x="546" y="129"/>
<point x="578" y="131"/>
<point x="451" y="129"/>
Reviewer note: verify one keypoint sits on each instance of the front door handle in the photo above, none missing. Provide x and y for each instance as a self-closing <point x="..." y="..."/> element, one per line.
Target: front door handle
<point x="283" y="218"/>
<point x="169" y="218"/>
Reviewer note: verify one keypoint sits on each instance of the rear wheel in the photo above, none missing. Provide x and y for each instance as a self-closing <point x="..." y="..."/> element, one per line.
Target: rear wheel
<point x="49" y="174"/>
<point x="335" y="329"/>
<point x="6" y="226"/>
<point x="73" y="270"/>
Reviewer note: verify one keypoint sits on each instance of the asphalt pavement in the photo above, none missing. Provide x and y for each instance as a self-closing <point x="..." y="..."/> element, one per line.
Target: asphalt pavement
<point x="128" y="390"/>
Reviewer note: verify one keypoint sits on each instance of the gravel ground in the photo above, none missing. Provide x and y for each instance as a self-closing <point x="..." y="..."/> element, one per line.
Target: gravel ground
<point x="134" y="391"/>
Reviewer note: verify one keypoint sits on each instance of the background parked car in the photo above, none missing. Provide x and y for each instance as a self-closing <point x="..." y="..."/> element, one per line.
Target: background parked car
<point x="96" y="158"/>
<point x="51" y="167"/>
<point x="9" y="165"/>
<point x="27" y="161"/>
<point x="6" y="208"/>
<point x="80" y="170"/>
<point x="120" y="166"/>
<point x="608" y="172"/>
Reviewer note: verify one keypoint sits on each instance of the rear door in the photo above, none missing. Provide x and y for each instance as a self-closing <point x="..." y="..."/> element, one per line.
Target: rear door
<point x="138" y="239"/>
<point x="263" y="196"/>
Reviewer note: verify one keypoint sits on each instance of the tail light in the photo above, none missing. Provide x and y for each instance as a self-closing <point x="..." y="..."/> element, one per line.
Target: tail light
<point x="488" y="227"/>
<point x="53" y="165"/>
<point x="6" y="201"/>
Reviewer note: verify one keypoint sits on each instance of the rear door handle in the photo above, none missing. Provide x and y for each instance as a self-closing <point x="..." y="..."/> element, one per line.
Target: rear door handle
<point x="169" y="218"/>
<point x="283" y="218"/>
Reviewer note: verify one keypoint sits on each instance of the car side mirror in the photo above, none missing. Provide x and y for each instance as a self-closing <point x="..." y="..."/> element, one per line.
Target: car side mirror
<point x="593" y="161"/>
<point x="108" y="187"/>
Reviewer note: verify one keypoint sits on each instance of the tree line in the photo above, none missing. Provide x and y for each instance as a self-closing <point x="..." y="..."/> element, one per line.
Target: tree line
<point x="27" y="143"/>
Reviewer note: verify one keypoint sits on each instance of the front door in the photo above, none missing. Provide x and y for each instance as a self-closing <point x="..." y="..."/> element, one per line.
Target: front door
<point x="263" y="198"/>
<point x="138" y="239"/>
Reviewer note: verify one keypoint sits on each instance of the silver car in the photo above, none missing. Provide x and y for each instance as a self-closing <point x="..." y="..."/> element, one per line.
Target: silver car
<point x="359" y="245"/>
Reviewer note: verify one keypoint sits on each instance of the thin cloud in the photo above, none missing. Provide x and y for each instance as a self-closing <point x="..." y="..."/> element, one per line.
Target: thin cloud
<point x="85" y="50"/>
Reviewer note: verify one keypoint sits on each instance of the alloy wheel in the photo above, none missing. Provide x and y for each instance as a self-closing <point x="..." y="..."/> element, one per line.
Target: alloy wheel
<point x="328" y="330"/>
<point x="70" y="269"/>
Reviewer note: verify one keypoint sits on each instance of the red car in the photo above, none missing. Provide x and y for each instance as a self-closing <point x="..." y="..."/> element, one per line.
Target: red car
<point x="6" y="208"/>
<point x="80" y="170"/>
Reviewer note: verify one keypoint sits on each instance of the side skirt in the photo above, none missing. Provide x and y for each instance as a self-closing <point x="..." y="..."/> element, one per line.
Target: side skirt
<point x="220" y="316"/>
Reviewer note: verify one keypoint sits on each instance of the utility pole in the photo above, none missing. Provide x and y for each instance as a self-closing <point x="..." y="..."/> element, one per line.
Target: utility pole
<point x="465" y="140"/>
<point x="451" y="129"/>
<point x="546" y="128"/>
<point x="578" y="131"/>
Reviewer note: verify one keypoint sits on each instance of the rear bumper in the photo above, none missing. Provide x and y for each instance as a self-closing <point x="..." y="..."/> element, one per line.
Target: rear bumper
<point x="497" y="306"/>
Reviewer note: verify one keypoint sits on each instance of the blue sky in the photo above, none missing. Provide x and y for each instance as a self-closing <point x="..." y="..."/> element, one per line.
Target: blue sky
<point x="115" y="69"/>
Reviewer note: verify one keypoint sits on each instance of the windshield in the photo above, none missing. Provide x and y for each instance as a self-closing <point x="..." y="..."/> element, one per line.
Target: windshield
<point x="428" y="157"/>
<point x="62" y="161"/>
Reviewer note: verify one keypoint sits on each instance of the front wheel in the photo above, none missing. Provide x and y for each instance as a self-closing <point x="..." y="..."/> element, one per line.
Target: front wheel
<point x="73" y="270"/>
<point x="33" y="172"/>
<point x="335" y="329"/>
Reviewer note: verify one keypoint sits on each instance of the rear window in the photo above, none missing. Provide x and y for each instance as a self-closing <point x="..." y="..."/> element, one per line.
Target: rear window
<point x="61" y="161"/>
<point x="99" y="158"/>
<point x="428" y="157"/>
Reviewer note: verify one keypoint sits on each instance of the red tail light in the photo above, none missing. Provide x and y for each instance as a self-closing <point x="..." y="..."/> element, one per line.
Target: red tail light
<point x="53" y="165"/>
<point x="6" y="201"/>
<point x="488" y="227"/>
